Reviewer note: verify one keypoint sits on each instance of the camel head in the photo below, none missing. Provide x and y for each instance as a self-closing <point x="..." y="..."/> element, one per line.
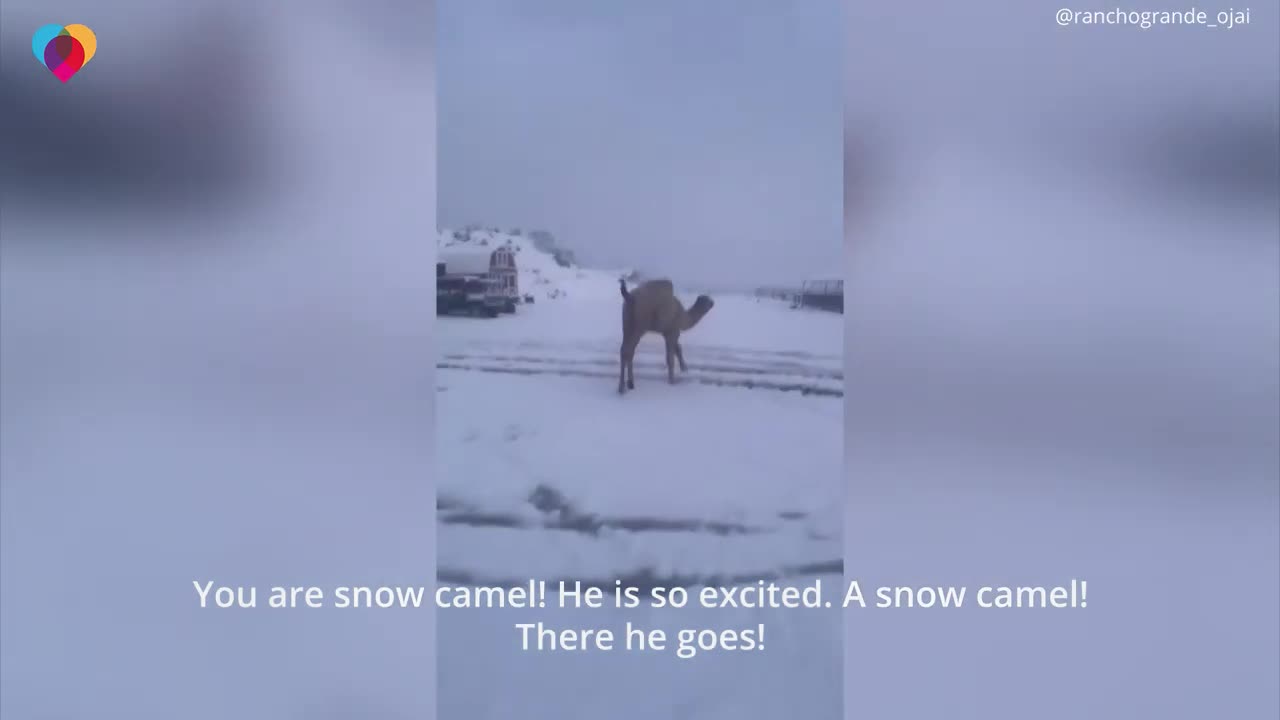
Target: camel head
<point x="701" y="306"/>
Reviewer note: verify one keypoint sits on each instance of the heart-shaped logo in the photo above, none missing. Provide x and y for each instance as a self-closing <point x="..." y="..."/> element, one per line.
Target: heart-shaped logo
<point x="64" y="50"/>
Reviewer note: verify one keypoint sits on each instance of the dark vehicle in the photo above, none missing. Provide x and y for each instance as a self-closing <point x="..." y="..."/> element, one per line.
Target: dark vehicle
<point x="467" y="295"/>
<point x="498" y="266"/>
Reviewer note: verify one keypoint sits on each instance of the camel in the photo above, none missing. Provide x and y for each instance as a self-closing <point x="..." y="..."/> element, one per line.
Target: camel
<point x="653" y="307"/>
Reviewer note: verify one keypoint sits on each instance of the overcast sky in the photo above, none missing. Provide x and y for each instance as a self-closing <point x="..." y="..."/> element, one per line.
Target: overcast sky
<point x="696" y="140"/>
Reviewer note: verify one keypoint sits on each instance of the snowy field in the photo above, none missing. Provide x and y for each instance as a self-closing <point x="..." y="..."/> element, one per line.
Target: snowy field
<point x="730" y="476"/>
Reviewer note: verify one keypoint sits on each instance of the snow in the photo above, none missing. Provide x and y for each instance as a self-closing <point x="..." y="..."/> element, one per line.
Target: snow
<point x="729" y="476"/>
<point x="466" y="263"/>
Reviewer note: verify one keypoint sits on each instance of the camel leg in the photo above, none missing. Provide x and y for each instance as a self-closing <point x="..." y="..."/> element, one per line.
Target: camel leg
<point x="671" y="359"/>
<point x="622" y="367"/>
<point x="631" y="363"/>
<point x="680" y="357"/>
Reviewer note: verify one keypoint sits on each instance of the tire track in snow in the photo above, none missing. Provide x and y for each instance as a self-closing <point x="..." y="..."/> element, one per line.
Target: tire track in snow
<point x="782" y="357"/>
<point x="790" y="369"/>
<point x="594" y="525"/>
<point x="728" y="369"/>
<point x="647" y="579"/>
<point x="555" y="512"/>
<point x="801" y="388"/>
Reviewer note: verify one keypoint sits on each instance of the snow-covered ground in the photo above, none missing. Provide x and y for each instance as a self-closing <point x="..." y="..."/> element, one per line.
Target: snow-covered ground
<point x="544" y="471"/>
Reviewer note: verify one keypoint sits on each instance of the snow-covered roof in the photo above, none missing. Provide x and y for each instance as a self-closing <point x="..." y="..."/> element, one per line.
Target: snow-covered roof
<point x="465" y="262"/>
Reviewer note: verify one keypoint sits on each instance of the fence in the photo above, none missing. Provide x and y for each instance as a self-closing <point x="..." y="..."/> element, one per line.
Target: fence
<point x="818" y="294"/>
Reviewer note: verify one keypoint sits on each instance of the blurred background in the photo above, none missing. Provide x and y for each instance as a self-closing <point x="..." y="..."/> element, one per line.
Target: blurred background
<point x="215" y="358"/>
<point x="1062" y="341"/>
